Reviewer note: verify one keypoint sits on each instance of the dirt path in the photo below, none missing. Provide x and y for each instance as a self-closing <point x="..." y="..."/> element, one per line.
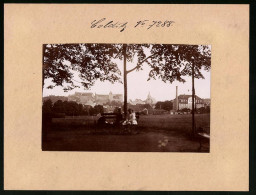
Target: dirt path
<point x="145" y="141"/>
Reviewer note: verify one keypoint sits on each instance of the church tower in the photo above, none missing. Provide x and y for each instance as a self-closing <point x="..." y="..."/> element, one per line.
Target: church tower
<point x="110" y="96"/>
<point x="149" y="99"/>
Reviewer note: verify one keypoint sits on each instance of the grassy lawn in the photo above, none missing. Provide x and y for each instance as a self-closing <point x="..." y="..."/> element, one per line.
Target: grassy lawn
<point x="175" y="122"/>
<point x="80" y="134"/>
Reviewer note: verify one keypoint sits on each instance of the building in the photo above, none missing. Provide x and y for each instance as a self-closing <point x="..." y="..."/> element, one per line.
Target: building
<point x="136" y="101"/>
<point x="82" y="98"/>
<point x="91" y="99"/>
<point x="185" y="101"/>
<point x="101" y="99"/>
<point x="115" y="97"/>
<point x="150" y="100"/>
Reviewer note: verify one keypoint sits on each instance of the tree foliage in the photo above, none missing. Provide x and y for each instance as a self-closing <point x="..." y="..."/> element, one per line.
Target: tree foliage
<point x="132" y="51"/>
<point x="166" y="105"/>
<point x="172" y="62"/>
<point x="113" y="103"/>
<point x="91" y="62"/>
<point x="47" y="106"/>
<point x="69" y="108"/>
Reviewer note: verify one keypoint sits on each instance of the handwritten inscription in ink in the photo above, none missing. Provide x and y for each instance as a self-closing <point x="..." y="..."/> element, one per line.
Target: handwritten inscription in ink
<point x="121" y="26"/>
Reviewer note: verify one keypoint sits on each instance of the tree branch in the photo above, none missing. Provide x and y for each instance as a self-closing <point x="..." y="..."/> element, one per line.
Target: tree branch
<point x="76" y="81"/>
<point x="128" y="71"/>
<point x="120" y="51"/>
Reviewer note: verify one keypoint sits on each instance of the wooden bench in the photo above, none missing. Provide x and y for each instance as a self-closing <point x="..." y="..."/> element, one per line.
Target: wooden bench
<point x="115" y="116"/>
<point x="203" y="138"/>
<point x="104" y="116"/>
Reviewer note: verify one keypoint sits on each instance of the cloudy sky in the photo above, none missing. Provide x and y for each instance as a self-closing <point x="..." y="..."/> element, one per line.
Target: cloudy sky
<point x="139" y="87"/>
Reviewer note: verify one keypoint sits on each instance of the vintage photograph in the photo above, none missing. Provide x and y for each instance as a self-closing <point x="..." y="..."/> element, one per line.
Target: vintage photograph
<point x="126" y="97"/>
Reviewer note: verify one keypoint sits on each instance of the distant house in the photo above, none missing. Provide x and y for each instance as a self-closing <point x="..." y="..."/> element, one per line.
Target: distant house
<point x="185" y="101"/>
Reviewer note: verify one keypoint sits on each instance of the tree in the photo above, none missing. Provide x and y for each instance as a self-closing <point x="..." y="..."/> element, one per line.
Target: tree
<point x="47" y="106"/>
<point x="166" y="105"/>
<point x="58" y="107"/>
<point x="175" y="61"/>
<point x="113" y="103"/>
<point x="98" y="109"/>
<point x="71" y="108"/>
<point x="127" y="53"/>
<point x="90" y="62"/>
<point x="81" y="110"/>
<point x="91" y="111"/>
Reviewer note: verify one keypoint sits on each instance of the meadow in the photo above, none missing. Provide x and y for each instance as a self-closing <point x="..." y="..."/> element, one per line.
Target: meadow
<point x="163" y="122"/>
<point x="79" y="134"/>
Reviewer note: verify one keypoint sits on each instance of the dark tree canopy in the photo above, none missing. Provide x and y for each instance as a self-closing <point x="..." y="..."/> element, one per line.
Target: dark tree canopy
<point x="90" y="62"/>
<point x="166" y="105"/>
<point x="132" y="51"/>
<point x="171" y="62"/>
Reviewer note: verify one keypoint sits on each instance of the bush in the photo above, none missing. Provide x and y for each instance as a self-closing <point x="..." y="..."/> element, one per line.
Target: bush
<point x="201" y="110"/>
<point x="185" y="110"/>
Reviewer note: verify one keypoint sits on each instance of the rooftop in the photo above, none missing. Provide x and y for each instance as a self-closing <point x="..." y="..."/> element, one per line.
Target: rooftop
<point x="187" y="96"/>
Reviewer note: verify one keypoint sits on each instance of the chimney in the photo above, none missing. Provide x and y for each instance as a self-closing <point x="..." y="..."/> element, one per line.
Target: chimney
<point x="177" y="100"/>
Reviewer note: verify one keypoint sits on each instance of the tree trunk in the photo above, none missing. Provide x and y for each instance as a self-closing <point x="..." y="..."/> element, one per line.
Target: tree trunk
<point x="193" y="101"/>
<point x="125" y="82"/>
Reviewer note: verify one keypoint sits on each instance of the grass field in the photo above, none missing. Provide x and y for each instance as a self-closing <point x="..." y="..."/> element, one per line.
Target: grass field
<point x="175" y="122"/>
<point x="164" y="122"/>
<point x="78" y="134"/>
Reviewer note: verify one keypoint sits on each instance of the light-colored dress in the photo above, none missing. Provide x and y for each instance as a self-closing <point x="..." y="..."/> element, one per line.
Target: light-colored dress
<point x="133" y="118"/>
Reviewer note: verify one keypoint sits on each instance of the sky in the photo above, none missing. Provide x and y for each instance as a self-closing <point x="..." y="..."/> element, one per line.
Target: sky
<point x="139" y="87"/>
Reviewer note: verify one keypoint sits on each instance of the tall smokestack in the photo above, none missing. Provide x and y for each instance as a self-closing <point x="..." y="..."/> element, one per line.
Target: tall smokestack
<point x="177" y="100"/>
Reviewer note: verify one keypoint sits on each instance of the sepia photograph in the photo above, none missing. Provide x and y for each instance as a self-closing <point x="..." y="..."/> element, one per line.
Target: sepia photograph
<point x="126" y="97"/>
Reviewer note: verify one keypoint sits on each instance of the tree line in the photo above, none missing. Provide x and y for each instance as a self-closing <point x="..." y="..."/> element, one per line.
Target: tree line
<point x="70" y="108"/>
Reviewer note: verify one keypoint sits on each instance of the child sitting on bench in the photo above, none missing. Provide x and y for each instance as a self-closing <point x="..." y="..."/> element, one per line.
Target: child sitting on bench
<point x="131" y="118"/>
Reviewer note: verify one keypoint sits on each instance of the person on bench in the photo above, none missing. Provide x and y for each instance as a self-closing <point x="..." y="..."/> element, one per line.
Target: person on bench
<point x="131" y="118"/>
<point x="102" y="121"/>
<point x="119" y="117"/>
